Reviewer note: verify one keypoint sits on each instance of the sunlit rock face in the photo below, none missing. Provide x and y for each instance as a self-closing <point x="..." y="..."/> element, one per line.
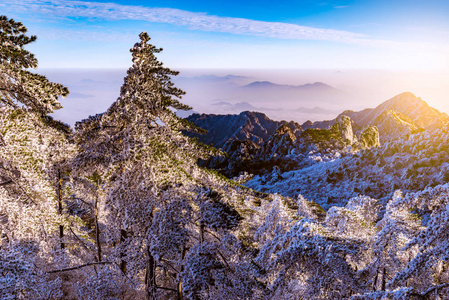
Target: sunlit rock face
<point x="393" y="124"/>
<point x="345" y="128"/>
<point x="414" y="108"/>
<point x="369" y="137"/>
<point x="338" y="135"/>
<point x="396" y="117"/>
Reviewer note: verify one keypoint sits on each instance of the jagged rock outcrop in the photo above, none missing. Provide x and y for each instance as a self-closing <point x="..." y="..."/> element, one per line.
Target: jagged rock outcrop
<point x="345" y="129"/>
<point x="252" y="141"/>
<point x="224" y="129"/>
<point x="280" y="143"/>
<point x="369" y="137"/>
<point x="338" y="136"/>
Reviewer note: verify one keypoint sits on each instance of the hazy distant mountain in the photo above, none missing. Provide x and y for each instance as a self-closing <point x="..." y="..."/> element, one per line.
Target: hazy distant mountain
<point x="317" y="86"/>
<point x="270" y="95"/>
<point x="233" y="80"/>
<point x="237" y="107"/>
<point x="232" y="94"/>
<point x="315" y="110"/>
<point x="220" y="78"/>
<point x="309" y="91"/>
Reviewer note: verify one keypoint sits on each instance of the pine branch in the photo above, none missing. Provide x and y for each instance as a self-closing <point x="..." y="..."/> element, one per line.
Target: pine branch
<point x="6" y="182"/>
<point x="81" y="242"/>
<point x="424" y="295"/>
<point x="80" y="267"/>
<point x="167" y="289"/>
<point x="20" y="93"/>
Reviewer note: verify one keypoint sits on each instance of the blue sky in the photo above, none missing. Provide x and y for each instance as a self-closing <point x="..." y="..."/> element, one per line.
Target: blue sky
<point x="240" y="34"/>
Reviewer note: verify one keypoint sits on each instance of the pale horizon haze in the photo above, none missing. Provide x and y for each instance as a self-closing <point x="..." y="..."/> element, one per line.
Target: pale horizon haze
<point x="368" y="50"/>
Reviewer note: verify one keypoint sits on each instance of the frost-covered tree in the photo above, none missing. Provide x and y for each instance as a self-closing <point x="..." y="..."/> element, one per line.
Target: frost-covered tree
<point x="126" y="212"/>
<point x="34" y="151"/>
<point x="395" y="230"/>
<point x="18" y="86"/>
<point x="312" y="254"/>
<point x="156" y="207"/>
<point x="427" y="271"/>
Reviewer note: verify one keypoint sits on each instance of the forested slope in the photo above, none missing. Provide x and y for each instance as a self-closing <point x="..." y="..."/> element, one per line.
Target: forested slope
<point x="118" y="208"/>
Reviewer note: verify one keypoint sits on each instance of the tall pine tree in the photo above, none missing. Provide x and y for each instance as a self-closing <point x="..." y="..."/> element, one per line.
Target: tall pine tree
<point x="34" y="150"/>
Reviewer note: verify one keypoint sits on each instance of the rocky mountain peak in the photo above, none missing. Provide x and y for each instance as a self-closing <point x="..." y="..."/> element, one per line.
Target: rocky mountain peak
<point x="284" y="129"/>
<point x="404" y="99"/>
<point x="223" y="129"/>
<point x="413" y="108"/>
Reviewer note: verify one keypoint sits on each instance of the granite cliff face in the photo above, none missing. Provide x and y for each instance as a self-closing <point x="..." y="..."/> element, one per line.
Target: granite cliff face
<point x="224" y="129"/>
<point x="369" y="137"/>
<point x="256" y="144"/>
<point x="338" y="135"/>
<point x="252" y="141"/>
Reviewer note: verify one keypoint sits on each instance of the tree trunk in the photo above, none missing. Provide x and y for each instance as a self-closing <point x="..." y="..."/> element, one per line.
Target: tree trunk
<point x="61" y="227"/>
<point x="384" y="276"/>
<point x="97" y="229"/>
<point x="179" y="286"/>
<point x="150" y="276"/>
<point x="201" y="232"/>
<point x="375" y="280"/>
<point x="179" y="290"/>
<point x="123" y="236"/>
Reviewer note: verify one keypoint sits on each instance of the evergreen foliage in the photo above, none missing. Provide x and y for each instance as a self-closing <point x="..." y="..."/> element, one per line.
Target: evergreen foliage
<point x="18" y="86"/>
<point x="120" y="209"/>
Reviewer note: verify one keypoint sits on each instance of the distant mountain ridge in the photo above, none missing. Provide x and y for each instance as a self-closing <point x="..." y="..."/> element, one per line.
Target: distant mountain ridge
<point x="397" y="116"/>
<point x="223" y="129"/>
<point x="416" y="109"/>
<point x="231" y="93"/>
<point x="304" y="87"/>
<point x="400" y="115"/>
<point x="255" y="143"/>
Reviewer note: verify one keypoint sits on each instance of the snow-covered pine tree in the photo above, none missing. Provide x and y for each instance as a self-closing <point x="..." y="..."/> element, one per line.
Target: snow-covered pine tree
<point x="427" y="272"/>
<point x="18" y="86"/>
<point x="33" y="152"/>
<point x="395" y="230"/>
<point x="308" y="253"/>
<point x="157" y="208"/>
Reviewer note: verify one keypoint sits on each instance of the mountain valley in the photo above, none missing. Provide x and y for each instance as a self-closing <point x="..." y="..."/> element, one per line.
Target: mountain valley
<point x="135" y="202"/>
<point x="397" y="145"/>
